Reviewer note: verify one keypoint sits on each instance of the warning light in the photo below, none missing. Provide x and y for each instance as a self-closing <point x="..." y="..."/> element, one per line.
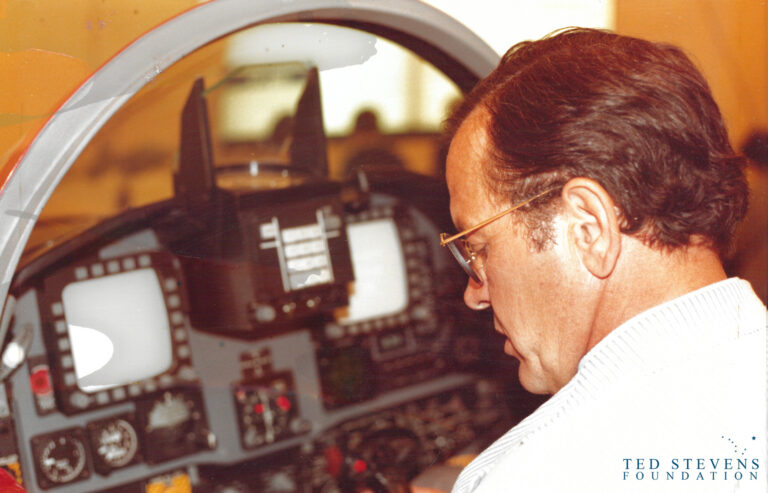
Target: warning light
<point x="283" y="403"/>
<point x="359" y="466"/>
<point x="258" y="408"/>
<point x="40" y="381"/>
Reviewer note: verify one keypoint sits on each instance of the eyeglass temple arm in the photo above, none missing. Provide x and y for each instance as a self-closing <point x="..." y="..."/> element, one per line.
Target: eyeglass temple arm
<point x="445" y="241"/>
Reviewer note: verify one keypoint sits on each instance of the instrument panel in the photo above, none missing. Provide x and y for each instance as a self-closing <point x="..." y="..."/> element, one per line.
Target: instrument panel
<point x="320" y="361"/>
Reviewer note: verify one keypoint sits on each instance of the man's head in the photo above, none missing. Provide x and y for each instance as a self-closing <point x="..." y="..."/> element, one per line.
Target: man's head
<point x="628" y="131"/>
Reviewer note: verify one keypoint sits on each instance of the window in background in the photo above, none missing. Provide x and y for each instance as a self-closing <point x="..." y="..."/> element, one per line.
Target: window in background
<point x="502" y="23"/>
<point x="358" y="72"/>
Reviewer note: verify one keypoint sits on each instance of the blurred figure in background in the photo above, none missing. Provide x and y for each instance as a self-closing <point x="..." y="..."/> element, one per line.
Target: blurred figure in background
<point x="750" y="256"/>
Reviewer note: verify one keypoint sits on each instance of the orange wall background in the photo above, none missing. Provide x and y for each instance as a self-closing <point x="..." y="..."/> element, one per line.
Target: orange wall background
<point x="49" y="47"/>
<point x="728" y="41"/>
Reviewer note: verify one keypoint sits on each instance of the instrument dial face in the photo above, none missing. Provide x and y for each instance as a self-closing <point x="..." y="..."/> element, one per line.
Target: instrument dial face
<point x="62" y="458"/>
<point x="116" y="443"/>
<point x="172" y="411"/>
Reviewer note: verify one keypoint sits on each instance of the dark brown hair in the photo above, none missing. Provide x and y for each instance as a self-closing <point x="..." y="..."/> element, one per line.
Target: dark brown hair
<point x="635" y="116"/>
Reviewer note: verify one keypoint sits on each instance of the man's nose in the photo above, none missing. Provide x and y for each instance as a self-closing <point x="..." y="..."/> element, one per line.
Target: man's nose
<point x="476" y="295"/>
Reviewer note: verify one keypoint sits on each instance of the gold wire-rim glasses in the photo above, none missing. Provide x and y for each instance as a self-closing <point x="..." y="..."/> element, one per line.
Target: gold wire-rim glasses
<point x="465" y="256"/>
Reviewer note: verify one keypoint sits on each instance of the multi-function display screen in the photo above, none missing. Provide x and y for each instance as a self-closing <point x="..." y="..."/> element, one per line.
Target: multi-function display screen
<point x="381" y="287"/>
<point x="118" y="329"/>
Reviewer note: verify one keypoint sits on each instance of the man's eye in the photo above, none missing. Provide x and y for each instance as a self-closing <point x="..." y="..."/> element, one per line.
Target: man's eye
<point x="481" y="250"/>
<point x="476" y="248"/>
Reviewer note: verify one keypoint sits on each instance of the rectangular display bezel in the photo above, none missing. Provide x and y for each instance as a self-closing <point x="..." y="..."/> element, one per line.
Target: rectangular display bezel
<point x="419" y="281"/>
<point x="69" y="397"/>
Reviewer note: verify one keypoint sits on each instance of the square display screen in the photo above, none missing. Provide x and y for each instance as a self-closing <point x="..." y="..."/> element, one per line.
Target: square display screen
<point x="118" y="329"/>
<point x="378" y="262"/>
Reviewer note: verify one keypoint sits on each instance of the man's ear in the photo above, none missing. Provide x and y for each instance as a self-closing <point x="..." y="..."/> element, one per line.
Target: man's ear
<point x="593" y="225"/>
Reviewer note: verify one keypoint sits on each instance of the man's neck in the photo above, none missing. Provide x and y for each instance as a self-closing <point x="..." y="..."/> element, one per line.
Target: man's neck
<point x="647" y="277"/>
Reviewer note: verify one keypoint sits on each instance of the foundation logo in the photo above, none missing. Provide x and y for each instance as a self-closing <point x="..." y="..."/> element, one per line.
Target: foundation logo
<point x="739" y="466"/>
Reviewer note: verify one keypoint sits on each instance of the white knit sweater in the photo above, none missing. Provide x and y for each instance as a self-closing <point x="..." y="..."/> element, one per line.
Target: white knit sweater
<point x="672" y="400"/>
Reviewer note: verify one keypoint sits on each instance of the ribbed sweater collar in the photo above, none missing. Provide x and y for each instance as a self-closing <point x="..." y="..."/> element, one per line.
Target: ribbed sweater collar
<point x="663" y="334"/>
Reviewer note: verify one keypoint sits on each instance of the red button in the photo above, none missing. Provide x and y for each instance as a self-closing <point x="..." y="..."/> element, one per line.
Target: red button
<point x="359" y="466"/>
<point x="284" y="403"/>
<point x="40" y="381"/>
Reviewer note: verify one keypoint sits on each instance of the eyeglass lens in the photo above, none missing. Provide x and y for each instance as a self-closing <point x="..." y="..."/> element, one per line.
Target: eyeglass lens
<point x="464" y="258"/>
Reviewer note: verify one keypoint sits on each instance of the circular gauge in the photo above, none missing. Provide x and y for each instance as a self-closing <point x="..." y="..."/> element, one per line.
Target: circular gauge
<point x="62" y="459"/>
<point x="116" y="443"/>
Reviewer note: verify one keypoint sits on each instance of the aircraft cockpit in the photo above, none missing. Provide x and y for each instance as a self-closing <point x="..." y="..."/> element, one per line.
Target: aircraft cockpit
<point x="233" y="284"/>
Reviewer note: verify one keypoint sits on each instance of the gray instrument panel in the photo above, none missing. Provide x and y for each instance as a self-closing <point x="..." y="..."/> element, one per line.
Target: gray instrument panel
<point x="219" y="362"/>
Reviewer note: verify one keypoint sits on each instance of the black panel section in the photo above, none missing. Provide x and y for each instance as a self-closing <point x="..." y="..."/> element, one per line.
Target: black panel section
<point x="284" y="472"/>
<point x="384" y="450"/>
<point x="347" y="375"/>
<point x="292" y="263"/>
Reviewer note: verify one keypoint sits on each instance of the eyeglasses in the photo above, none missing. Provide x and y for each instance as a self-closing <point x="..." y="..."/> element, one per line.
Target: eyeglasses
<point x="462" y="250"/>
